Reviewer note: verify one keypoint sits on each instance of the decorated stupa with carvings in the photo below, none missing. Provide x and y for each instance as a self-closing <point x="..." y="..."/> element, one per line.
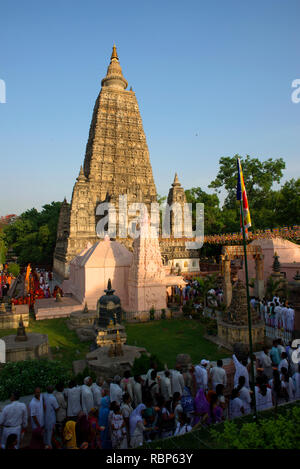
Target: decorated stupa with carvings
<point x="238" y="310"/>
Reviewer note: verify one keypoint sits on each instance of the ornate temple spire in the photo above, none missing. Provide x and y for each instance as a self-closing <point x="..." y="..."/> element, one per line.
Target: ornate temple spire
<point x="176" y="181"/>
<point x="114" y="76"/>
<point x="114" y="54"/>
<point x="81" y="176"/>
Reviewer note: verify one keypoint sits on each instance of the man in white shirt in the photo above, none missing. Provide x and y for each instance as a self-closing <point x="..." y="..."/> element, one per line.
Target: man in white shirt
<point x="240" y="370"/>
<point x="87" y="398"/>
<point x="36" y="408"/>
<point x="51" y="406"/>
<point x="73" y="396"/>
<point x="13" y="418"/>
<point x="97" y="392"/>
<point x="266" y="363"/>
<point x="283" y="363"/>
<point x="165" y="386"/>
<point x="290" y="318"/>
<point x="177" y="382"/>
<point x="115" y="390"/>
<point x="218" y="375"/>
<point x="201" y="375"/>
<point x="137" y="390"/>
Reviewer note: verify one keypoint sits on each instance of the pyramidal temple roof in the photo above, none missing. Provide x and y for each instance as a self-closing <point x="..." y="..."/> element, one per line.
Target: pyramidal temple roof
<point x="114" y="76"/>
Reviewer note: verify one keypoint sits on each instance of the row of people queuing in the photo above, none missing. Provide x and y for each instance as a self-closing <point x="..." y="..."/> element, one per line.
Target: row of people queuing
<point x="128" y="412"/>
<point x="278" y="313"/>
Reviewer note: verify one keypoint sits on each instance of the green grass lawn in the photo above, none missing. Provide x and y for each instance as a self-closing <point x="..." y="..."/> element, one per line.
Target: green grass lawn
<point x="168" y="338"/>
<point x="165" y="338"/>
<point x="65" y="345"/>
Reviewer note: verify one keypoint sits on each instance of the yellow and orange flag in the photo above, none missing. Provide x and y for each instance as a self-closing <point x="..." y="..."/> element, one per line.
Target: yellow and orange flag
<point x="241" y="195"/>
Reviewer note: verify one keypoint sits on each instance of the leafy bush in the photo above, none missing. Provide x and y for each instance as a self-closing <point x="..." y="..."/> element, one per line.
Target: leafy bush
<point x="14" y="269"/>
<point x="212" y="327"/>
<point x="26" y="375"/>
<point x="143" y="364"/>
<point x="86" y="372"/>
<point x="281" y="432"/>
<point x="151" y="314"/>
<point x="187" y="308"/>
<point x="163" y="314"/>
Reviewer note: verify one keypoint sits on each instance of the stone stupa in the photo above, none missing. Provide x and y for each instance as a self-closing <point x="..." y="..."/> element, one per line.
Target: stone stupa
<point x="233" y="327"/>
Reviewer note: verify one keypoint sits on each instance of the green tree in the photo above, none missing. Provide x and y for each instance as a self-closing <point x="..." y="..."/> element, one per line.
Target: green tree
<point x="288" y="203"/>
<point x="204" y="285"/>
<point x="3" y="249"/>
<point x="259" y="177"/>
<point x="33" y="235"/>
<point x="213" y="222"/>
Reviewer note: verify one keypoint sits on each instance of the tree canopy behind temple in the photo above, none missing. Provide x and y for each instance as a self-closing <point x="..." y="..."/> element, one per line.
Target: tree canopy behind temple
<point x="33" y="235"/>
<point x="269" y="208"/>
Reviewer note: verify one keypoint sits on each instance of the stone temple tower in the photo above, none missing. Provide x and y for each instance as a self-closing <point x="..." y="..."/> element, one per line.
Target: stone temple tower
<point x="116" y="163"/>
<point x="176" y="198"/>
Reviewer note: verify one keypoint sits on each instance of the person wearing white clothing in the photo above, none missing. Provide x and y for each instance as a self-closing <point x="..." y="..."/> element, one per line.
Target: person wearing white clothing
<point x="177" y="382"/>
<point x="201" y="375"/>
<point x="296" y="382"/>
<point x="87" y="398"/>
<point x="283" y="363"/>
<point x="137" y="390"/>
<point x="218" y="375"/>
<point x="165" y="386"/>
<point x="73" y="395"/>
<point x="288" y="384"/>
<point x="36" y="408"/>
<point x="263" y="397"/>
<point x="51" y="406"/>
<point x="244" y="395"/>
<point x="137" y="427"/>
<point x="183" y="425"/>
<point x="13" y="418"/>
<point x="115" y="391"/>
<point x="240" y="370"/>
<point x="97" y="392"/>
<point x="266" y="363"/>
<point x="290" y="318"/>
<point x="236" y="408"/>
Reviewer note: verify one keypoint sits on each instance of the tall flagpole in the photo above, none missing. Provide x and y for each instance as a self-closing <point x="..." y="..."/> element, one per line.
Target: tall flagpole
<point x="249" y="310"/>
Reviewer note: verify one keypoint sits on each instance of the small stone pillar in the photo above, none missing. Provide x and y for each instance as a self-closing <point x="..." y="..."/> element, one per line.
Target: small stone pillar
<point x="259" y="283"/>
<point x="21" y="334"/>
<point x="227" y="285"/>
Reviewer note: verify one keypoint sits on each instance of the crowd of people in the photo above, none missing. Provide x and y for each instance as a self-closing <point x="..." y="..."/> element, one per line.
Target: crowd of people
<point x="277" y="313"/>
<point x="190" y="292"/>
<point x="126" y="412"/>
<point x="6" y="279"/>
<point x="38" y="285"/>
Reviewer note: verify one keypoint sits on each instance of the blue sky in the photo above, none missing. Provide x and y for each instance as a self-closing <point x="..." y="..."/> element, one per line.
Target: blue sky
<point x="212" y="79"/>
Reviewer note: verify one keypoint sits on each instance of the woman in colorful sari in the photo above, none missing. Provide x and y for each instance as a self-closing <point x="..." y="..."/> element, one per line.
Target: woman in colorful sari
<point x="215" y="410"/>
<point x="95" y="429"/>
<point x="83" y="433"/>
<point x="201" y="408"/>
<point x="103" y="417"/>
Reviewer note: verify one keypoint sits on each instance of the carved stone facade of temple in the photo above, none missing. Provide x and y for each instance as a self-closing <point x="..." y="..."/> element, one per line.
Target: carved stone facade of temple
<point x="116" y="163"/>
